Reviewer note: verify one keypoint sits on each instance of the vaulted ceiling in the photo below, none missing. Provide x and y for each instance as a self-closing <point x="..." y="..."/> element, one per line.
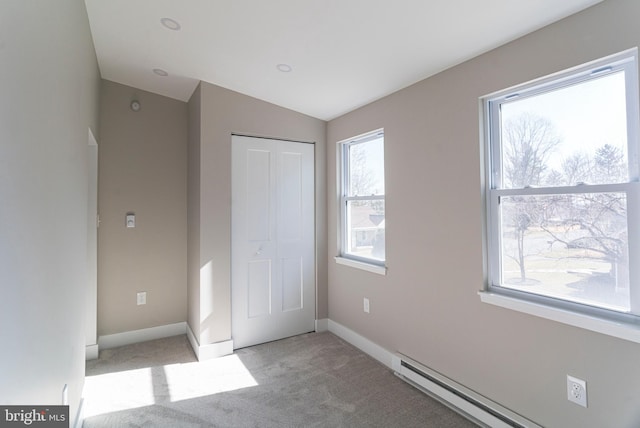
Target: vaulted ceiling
<point x="319" y="57"/>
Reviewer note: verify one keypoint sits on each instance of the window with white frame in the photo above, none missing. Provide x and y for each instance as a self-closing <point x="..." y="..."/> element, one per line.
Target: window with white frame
<point x="563" y="198"/>
<point x="362" y="219"/>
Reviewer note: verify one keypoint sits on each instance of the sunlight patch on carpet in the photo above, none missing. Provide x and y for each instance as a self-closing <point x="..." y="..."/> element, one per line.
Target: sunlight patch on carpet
<point x="132" y="389"/>
<point x="209" y="377"/>
<point x="112" y="392"/>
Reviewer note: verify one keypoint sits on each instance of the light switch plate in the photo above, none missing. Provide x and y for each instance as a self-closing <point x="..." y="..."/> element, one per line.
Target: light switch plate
<point x="142" y="298"/>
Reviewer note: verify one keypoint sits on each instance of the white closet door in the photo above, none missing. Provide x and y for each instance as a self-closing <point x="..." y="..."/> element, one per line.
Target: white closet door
<point x="273" y="240"/>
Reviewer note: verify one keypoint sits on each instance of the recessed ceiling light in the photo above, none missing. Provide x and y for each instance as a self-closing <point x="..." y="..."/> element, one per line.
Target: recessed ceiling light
<point x="285" y="68"/>
<point x="160" y="72"/>
<point x="171" y="24"/>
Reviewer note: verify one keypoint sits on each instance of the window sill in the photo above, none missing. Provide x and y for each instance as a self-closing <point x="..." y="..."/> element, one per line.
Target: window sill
<point x="380" y="270"/>
<point x="620" y="330"/>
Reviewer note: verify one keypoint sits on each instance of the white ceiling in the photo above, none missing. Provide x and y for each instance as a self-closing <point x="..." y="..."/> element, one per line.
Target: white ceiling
<point x="344" y="53"/>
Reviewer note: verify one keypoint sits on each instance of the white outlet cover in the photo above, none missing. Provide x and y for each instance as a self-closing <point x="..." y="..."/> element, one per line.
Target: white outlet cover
<point x="577" y="391"/>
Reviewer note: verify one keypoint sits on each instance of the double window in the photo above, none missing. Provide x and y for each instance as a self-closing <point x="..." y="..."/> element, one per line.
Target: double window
<point x="362" y="214"/>
<point x="563" y="198"/>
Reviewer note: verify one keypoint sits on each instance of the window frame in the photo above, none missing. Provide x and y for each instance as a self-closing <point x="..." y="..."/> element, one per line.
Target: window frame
<point x="345" y="257"/>
<point x="609" y="321"/>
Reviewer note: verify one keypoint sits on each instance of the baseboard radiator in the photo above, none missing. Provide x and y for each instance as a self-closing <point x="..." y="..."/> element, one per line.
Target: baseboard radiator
<point x="461" y="399"/>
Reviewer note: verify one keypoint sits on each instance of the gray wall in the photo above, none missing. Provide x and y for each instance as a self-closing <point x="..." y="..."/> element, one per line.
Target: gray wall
<point x="50" y="84"/>
<point x="142" y="169"/>
<point x="427" y="306"/>
<point x="222" y="113"/>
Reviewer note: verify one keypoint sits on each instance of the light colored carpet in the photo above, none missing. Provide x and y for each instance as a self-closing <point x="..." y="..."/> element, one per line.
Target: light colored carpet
<point x="312" y="380"/>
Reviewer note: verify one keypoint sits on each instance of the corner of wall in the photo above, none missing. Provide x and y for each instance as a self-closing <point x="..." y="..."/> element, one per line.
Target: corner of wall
<point x="210" y="351"/>
<point x="193" y="210"/>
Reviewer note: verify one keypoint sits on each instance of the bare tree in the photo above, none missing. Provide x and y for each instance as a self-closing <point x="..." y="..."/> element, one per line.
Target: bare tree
<point x="592" y="222"/>
<point x="528" y="143"/>
<point x="610" y="165"/>
<point x="576" y="169"/>
<point x="363" y="181"/>
<point x="521" y="221"/>
<point x="361" y="176"/>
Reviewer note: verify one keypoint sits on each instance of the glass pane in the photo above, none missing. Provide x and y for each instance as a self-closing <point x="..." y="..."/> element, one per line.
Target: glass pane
<point x="365" y="229"/>
<point x="366" y="168"/>
<point x="576" y="134"/>
<point x="572" y="247"/>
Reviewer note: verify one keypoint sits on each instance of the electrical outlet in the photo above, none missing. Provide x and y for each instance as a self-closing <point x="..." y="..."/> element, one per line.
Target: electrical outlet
<point x="141" y="298"/>
<point x="366" y="305"/>
<point x="577" y="391"/>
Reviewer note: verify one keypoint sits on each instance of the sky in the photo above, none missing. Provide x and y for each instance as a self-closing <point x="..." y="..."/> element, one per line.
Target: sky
<point x="374" y="158"/>
<point x="586" y="116"/>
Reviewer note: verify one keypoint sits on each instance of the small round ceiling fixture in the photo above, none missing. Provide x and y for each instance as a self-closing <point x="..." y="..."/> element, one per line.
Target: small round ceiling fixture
<point x="160" y="72"/>
<point x="171" y="24"/>
<point x="135" y="105"/>
<point x="285" y="68"/>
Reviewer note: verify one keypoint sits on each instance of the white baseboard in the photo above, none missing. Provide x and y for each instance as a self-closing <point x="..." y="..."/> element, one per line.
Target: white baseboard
<point x="91" y="352"/>
<point x="142" y="335"/>
<point x="365" y="345"/>
<point x="393" y="361"/>
<point x="322" y="325"/>
<point x="193" y="341"/>
<point x="210" y="351"/>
